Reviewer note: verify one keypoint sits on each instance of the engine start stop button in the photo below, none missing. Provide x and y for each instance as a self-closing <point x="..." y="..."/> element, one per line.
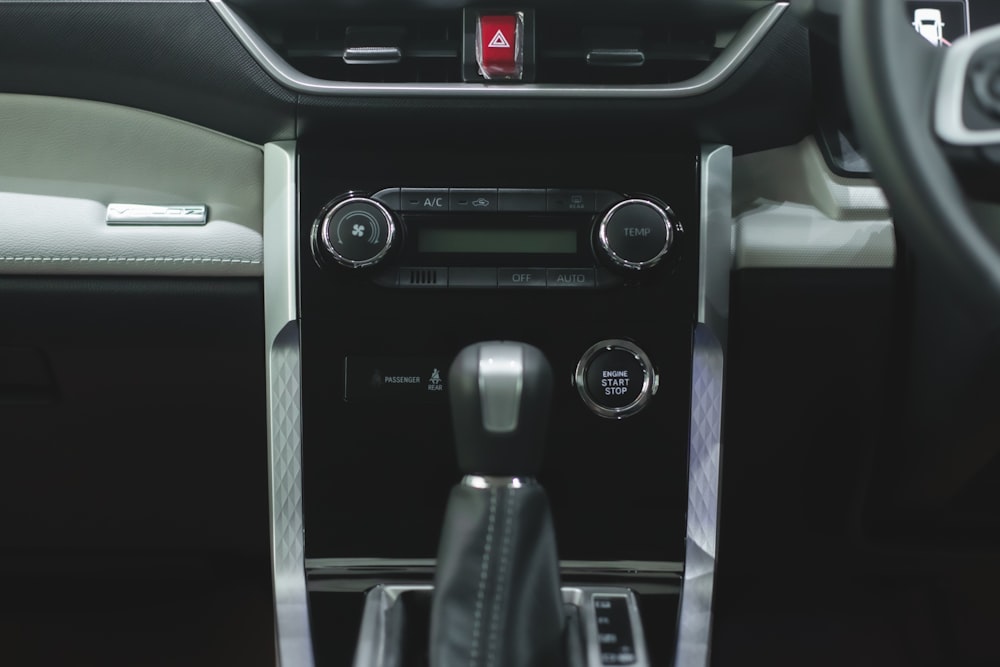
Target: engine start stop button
<point x="615" y="379"/>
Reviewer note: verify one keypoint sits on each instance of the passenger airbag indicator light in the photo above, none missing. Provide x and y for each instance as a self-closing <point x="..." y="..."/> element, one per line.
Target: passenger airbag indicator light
<point x="500" y="46"/>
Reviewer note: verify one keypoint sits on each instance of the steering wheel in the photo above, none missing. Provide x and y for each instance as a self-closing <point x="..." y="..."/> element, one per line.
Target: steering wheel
<point x="915" y="107"/>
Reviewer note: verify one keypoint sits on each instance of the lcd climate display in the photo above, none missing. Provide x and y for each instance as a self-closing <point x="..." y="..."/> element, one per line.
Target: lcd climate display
<point x="487" y="240"/>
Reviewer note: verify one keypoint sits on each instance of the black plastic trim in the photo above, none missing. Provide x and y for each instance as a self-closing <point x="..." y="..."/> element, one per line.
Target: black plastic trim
<point x="174" y="58"/>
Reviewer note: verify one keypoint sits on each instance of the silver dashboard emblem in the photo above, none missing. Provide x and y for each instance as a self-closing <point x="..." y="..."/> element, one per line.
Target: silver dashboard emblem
<point x="144" y="214"/>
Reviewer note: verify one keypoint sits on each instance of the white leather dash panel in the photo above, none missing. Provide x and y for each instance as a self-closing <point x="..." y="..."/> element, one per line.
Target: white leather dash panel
<point x="63" y="161"/>
<point x="786" y="235"/>
<point x="792" y="211"/>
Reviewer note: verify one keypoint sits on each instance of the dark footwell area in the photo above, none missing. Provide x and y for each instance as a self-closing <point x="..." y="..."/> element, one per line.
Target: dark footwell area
<point x="945" y="620"/>
<point x="191" y="617"/>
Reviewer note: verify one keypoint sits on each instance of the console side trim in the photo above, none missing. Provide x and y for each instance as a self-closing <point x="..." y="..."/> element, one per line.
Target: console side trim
<point x="715" y="240"/>
<point x="292" y="635"/>
<point x="734" y="55"/>
<point x="694" y="625"/>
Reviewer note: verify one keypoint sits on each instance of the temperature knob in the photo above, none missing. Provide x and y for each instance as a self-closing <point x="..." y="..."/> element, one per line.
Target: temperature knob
<point x="636" y="234"/>
<point x="356" y="232"/>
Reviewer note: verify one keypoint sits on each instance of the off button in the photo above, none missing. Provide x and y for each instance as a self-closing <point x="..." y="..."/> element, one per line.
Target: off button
<point x="521" y="277"/>
<point x="615" y="379"/>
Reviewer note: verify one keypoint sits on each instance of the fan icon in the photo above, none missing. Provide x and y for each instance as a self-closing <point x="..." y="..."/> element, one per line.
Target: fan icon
<point x="358" y="230"/>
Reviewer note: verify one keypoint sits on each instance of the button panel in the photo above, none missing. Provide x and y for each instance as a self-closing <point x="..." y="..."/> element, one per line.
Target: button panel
<point x="492" y="200"/>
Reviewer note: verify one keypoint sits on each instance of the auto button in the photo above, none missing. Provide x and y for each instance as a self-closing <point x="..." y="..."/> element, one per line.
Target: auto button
<point x="570" y="278"/>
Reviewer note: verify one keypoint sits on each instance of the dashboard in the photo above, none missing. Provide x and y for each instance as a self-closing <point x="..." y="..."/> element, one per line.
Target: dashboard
<point x="241" y="242"/>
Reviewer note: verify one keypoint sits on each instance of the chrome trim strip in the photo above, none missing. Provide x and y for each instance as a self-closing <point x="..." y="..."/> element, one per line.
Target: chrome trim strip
<point x="488" y="482"/>
<point x="377" y="623"/>
<point x="426" y="565"/>
<point x="694" y="626"/>
<point x="735" y="53"/>
<point x="948" y="119"/>
<point x="715" y="238"/>
<point x="147" y="214"/>
<point x="280" y="296"/>
<point x="381" y="623"/>
<point x="292" y="641"/>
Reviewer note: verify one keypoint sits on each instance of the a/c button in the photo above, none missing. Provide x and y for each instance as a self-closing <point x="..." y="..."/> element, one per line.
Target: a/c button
<point x="521" y="277"/>
<point x="570" y="278"/>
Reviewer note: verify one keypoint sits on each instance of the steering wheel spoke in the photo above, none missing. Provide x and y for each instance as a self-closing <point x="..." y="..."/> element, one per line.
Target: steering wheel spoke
<point x="910" y="102"/>
<point x="967" y="102"/>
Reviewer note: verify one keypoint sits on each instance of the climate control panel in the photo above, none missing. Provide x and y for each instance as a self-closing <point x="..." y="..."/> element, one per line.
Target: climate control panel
<point x="496" y="237"/>
<point x="410" y="255"/>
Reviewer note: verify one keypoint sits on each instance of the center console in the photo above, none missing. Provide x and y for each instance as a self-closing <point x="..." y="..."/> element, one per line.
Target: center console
<point x="591" y="256"/>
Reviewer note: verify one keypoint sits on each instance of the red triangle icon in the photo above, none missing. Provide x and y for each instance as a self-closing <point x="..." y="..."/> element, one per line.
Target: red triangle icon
<point x="499" y="41"/>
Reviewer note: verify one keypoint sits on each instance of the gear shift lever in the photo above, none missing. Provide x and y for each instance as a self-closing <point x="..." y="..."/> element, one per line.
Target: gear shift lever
<point x="497" y="600"/>
<point x="500" y="394"/>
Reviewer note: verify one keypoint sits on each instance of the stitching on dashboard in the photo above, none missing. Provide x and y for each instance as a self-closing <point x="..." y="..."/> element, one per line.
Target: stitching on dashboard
<point x="202" y="260"/>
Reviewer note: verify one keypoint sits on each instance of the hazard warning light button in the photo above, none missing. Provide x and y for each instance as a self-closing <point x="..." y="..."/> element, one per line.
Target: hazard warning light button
<point x="499" y="46"/>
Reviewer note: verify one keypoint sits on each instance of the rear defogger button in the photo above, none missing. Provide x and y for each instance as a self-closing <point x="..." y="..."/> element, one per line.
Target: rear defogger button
<point x="615" y="379"/>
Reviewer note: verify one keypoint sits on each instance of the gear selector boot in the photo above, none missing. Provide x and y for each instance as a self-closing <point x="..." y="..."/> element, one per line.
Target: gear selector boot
<point x="497" y="599"/>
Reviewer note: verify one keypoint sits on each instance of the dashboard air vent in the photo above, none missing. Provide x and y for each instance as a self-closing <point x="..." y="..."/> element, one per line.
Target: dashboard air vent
<point x="624" y="54"/>
<point x="427" y="50"/>
<point x="427" y="47"/>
